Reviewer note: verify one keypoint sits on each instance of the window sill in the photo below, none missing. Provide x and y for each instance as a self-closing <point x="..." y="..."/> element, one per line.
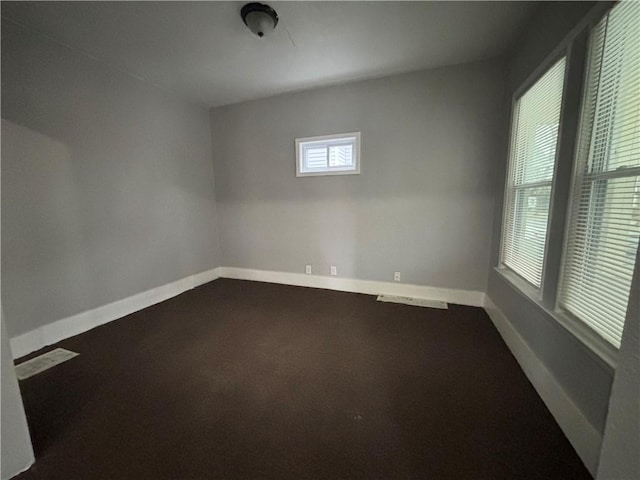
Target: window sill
<point x="324" y="173"/>
<point x="599" y="348"/>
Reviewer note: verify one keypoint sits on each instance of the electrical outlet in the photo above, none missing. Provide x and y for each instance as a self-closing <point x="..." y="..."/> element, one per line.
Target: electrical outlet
<point x="307" y="269"/>
<point x="334" y="270"/>
<point x="396" y="276"/>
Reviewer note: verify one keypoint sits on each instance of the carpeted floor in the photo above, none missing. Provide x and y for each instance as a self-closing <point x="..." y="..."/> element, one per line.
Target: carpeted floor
<point x="248" y="380"/>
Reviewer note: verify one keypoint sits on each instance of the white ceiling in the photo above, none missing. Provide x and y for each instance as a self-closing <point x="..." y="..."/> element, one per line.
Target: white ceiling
<point x="202" y="52"/>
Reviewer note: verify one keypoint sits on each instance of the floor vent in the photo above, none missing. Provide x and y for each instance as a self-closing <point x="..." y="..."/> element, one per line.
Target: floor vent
<point x="416" y="302"/>
<point x="43" y="362"/>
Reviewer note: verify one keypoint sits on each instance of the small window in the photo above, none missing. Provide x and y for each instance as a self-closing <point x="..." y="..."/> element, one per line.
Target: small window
<point x="536" y="117"/>
<point x="328" y="155"/>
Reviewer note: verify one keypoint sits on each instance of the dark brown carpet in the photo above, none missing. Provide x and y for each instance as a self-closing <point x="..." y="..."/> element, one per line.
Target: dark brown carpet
<point x="247" y="380"/>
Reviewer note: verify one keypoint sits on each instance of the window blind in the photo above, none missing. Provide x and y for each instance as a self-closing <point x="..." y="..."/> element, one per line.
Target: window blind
<point x="604" y="221"/>
<point x="534" y="139"/>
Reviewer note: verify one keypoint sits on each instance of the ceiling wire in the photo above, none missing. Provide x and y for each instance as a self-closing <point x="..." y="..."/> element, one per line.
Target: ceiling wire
<point x="290" y="37"/>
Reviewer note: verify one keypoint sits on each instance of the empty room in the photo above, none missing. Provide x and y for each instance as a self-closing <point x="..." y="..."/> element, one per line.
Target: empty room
<point x="320" y="240"/>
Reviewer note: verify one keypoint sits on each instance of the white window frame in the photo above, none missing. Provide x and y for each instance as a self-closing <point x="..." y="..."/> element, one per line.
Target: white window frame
<point x="597" y="343"/>
<point x="531" y="290"/>
<point x="545" y="298"/>
<point x="324" y="140"/>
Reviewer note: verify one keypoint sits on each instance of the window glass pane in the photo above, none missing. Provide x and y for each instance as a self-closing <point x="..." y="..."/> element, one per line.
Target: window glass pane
<point x="543" y="151"/>
<point x="315" y="157"/>
<point x="531" y="165"/>
<point x="529" y="232"/>
<point x="341" y="155"/>
<point x="616" y="124"/>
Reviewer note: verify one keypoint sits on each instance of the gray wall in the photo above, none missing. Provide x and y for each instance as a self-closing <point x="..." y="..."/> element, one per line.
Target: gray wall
<point x="423" y="204"/>
<point x="621" y="442"/>
<point x="547" y="28"/>
<point x="107" y="184"/>
<point x="585" y="378"/>
<point x="17" y="453"/>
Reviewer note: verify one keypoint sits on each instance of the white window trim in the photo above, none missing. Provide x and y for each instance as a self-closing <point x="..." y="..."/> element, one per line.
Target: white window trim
<point x="596" y="346"/>
<point x="337" y="171"/>
<point x="537" y="74"/>
<point x="580" y="328"/>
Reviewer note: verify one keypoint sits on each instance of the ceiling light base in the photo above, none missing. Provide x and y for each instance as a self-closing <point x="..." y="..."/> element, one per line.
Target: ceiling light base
<point x="259" y="18"/>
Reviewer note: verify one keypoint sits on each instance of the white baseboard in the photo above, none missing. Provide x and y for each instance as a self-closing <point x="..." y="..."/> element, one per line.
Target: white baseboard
<point x="205" y="277"/>
<point x="461" y="297"/>
<point x="80" y="323"/>
<point x="68" y="327"/>
<point x="584" y="437"/>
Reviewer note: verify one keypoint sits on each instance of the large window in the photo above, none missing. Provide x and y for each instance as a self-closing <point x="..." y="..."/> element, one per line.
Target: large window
<point x="534" y="138"/>
<point x="604" y="221"/>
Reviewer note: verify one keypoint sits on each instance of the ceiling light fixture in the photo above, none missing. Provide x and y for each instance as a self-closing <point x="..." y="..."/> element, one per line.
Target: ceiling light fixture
<point x="259" y="18"/>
